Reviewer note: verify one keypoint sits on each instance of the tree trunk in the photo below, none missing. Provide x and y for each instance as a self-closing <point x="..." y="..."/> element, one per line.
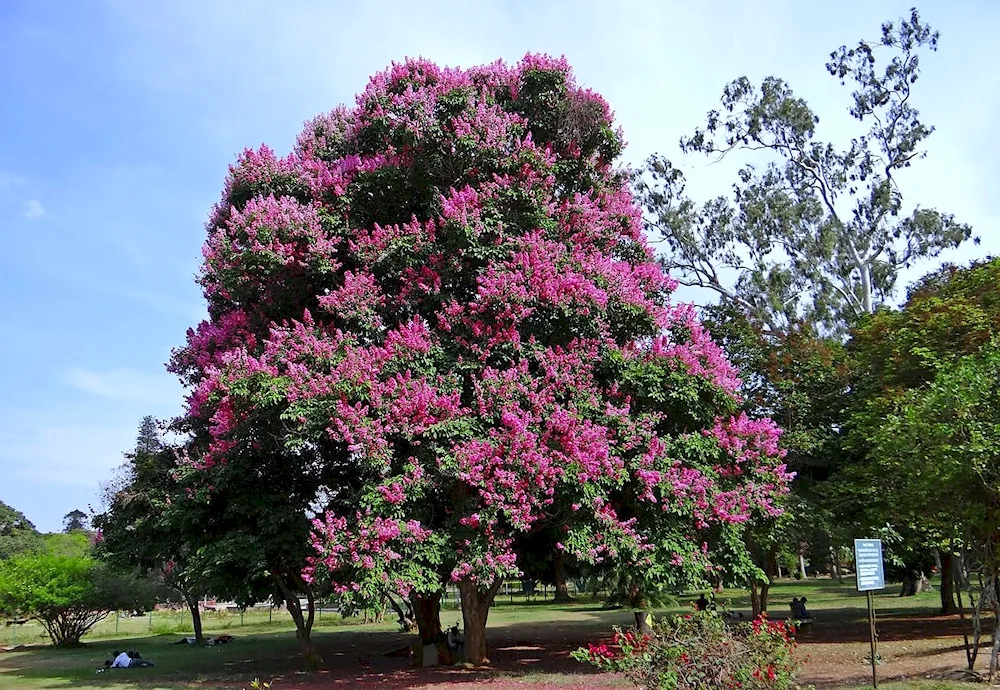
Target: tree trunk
<point x="476" y="603"/>
<point x="947" y="582"/>
<point x="644" y="622"/>
<point x="989" y="594"/>
<point x="559" y="575"/>
<point x="995" y="649"/>
<point x="303" y="623"/>
<point x="427" y="614"/>
<point x="192" y="602"/>
<point x="755" y="603"/>
<point x="405" y="616"/>
<point x="802" y="566"/>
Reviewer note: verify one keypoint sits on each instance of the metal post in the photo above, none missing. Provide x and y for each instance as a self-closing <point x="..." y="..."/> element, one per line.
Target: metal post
<point x="270" y="614"/>
<point x="874" y="636"/>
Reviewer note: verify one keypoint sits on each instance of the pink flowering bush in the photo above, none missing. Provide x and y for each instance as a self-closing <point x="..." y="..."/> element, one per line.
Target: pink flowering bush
<point x="445" y="293"/>
<point x="700" y="651"/>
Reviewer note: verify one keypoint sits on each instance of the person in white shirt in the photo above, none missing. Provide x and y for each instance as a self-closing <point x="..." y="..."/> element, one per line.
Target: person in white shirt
<point x="122" y="660"/>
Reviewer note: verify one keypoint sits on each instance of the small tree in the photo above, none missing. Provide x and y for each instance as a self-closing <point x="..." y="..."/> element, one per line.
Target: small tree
<point x="75" y="521"/>
<point x="947" y="438"/>
<point x="67" y="595"/>
<point x="142" y="530"/>
<point x="950" y="314"/>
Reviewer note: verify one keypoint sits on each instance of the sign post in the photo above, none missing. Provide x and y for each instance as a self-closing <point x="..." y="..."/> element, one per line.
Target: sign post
<point x="871" y="576"/>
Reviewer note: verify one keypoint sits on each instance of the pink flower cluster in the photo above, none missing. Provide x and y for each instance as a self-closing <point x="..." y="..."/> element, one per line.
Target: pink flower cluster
<point x="449" y="283"/>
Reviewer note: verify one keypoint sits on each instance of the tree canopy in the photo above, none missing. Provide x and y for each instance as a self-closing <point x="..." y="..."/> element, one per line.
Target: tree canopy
<point x="815" y="231"/>
<point x="437" y="322"/>
<point x="17" y="534"/>
<point x="68" y="595"/>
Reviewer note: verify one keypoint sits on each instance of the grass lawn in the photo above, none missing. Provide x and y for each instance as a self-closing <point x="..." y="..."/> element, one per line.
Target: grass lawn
<point x="529" y="643"/>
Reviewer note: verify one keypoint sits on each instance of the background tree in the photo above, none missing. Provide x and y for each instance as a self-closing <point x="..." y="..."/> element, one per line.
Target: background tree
<point x="945" y="437"/>
<point x="75" y="521"/>
<point x="797" y="378"/>
<point x="67" y="595"/>
<point x="950" y="314"/>
<point x="815" y="231"/>
<point x="142" y="531"/>
<point x="437" y="321"/>
<point x="17" y="534"/>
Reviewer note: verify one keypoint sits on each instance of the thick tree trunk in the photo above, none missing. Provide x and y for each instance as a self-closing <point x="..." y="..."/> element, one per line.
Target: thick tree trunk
<point x="427" y="614"/>
<point x="303" y="623"/>
<point x="192" y="603"/>
<point x="914" y="582"/>
<point x="947" y="582"/>
<point x="476" y="603"/>
<point x="802" y="566"/>
<point x="559" y="575"/>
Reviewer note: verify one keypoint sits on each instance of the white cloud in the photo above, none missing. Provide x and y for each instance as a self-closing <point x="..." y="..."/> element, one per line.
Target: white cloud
<point x="32" y="209"/>
<point x="9" y="179"/>
<point x="128" y="385"/>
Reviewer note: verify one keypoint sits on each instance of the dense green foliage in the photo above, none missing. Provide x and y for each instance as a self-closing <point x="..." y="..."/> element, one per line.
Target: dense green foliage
<point x="67" y="595"/>
<point x="17" y="534"/>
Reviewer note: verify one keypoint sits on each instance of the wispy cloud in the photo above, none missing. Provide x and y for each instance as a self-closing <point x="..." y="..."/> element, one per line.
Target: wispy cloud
<point x="32" y="209"/>
<point x="8" y="179"/>
<point x="78" y="455"/>
<point x="128" y="385"/>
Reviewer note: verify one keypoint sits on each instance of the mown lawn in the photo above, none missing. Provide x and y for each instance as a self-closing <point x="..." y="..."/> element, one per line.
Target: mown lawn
<point x="531" y="641"/>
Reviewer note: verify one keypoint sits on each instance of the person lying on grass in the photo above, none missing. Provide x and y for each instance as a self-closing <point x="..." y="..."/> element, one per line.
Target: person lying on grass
<point x="130" y="659"/>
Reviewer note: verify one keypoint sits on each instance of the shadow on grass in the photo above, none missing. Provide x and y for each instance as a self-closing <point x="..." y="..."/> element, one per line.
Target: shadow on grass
<point x="526" y="642"/>
<point x="351" y="659"/>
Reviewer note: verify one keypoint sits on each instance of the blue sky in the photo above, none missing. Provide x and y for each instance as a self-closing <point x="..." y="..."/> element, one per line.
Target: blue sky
<point x="118" y="120"/>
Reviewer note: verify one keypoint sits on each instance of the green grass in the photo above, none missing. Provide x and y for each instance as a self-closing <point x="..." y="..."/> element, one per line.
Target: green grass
<point x="266" y="645"/>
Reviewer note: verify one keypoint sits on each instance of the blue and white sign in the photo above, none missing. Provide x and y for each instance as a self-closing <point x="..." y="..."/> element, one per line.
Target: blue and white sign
<point x="868" y="564"/>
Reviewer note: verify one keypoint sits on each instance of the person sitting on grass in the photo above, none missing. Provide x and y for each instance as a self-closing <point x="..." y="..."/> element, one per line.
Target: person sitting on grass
<point x="799" y="611"/>
<point x="803" y="612"/>
<point x="702" y="603"/>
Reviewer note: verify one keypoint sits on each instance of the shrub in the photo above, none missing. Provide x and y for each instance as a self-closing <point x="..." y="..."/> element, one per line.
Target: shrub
<point x="699" y="651"/>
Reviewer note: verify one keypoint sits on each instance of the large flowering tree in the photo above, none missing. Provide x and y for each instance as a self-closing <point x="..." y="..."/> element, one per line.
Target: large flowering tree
<point x="445" y="289"/>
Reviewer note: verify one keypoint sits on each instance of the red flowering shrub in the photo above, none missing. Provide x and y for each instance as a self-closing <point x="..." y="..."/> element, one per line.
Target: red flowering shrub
<point x="699" y="651"/>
